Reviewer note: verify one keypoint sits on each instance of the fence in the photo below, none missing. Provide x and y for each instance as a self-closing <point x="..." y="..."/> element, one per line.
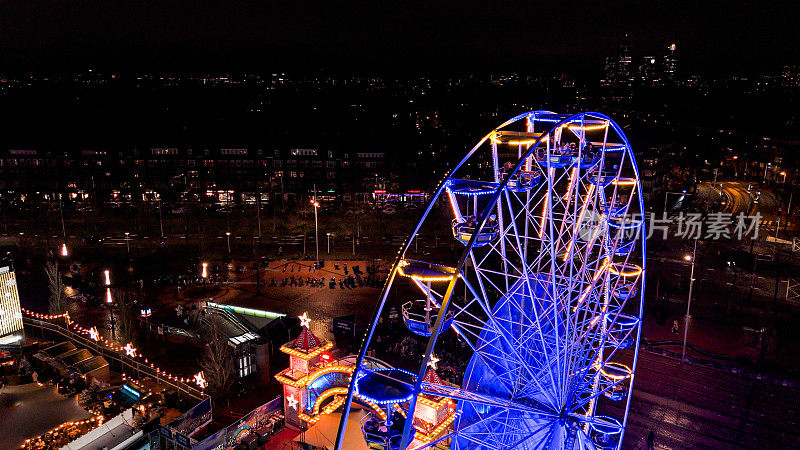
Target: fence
<point x="121" y="360"/>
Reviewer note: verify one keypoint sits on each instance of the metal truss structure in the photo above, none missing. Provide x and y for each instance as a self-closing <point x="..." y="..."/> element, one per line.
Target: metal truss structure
<point x="544" y="292"/>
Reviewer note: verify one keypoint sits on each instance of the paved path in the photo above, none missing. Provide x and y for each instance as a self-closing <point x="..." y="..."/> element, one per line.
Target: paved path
<point x="30" y="410"/>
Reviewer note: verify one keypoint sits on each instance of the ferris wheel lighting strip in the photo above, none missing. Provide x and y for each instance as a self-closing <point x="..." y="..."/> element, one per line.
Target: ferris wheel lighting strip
<point x="521" y="142"/>
<point x="613" y="426"/>
<point x="588" y="289"/>
<point x="580" y="220"/>
<point x="633" y="270"/>
<point x="624" y="182"/>
<point x="568" y="194"/>
<point x="424" y="278"/>
<point x="617" y="366"/>
<point x="453" y="204"/>
<point x="588" y="127"/>
<point x="630" y="322"/>
<point x="544" y="209"/>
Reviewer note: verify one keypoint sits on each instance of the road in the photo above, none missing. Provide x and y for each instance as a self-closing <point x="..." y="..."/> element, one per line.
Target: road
<point x="690" y="406"/>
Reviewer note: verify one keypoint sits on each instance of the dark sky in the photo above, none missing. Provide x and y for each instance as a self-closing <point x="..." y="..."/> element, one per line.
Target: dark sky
<point x="418" y="35"/>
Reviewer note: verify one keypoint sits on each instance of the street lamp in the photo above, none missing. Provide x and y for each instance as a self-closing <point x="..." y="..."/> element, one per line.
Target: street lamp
<point x="765" y="171"/>
<point x="110" y="303"/>
<point x="783" y="174"/>
<point x="228" y="238"/>
<point x="329" y="243"/>
<point x="689" y="303"/>
<point x="127" y="242"/>
<point x="64" y="251"/>
<point x="107" y="274"/>
<point x="160" y="219"/>
<point x="316" y="224"/>
<point x="666" y="196"/>
<point x="204" y="273"/>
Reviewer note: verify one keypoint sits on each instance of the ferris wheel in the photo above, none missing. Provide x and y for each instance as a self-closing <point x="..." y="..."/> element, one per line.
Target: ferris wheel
<point x="542" y="297"/>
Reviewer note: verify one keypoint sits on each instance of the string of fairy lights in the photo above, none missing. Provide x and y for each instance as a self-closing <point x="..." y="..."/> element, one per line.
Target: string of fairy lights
<point x="92" y="422"/>
<point x="127" y="350"/>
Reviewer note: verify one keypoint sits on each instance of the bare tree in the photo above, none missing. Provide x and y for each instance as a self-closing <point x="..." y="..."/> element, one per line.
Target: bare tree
<point x="126" y="320"/>
<point x="58" y="300"/>
<point x="217" y="362"/>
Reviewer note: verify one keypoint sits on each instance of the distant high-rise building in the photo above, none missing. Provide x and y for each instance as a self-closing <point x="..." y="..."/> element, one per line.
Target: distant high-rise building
<point x="649" y="70"/>
<point x="671" y="64"/>
<point x="625" y="63"/>
<point x="609" y="71"/>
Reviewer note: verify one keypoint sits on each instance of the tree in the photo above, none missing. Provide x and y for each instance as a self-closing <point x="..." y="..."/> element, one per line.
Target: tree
<point x="126" y="320"/>
<point x="217" y="362"/>
<point x="58" y="300"/>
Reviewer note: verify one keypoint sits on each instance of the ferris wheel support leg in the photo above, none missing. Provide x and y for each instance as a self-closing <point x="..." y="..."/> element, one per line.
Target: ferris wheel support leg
<point x="549" y="214"/>
<point x="503" y="239"/>
<point x="495" y="163"/>
<point x="576" y="184"/>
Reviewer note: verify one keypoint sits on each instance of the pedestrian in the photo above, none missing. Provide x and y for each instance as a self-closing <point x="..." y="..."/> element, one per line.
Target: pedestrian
<point x="675" y="326"/>
<point x="651" y="438"/>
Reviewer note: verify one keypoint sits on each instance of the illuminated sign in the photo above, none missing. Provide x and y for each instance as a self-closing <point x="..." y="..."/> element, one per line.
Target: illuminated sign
<point x="10" y="311"/>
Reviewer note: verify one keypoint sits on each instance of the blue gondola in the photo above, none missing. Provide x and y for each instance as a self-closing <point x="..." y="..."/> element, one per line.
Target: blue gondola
<point x="556" y="160"/>
<point x="587" y="161"/>
<point x="465" y="228"/>
<point x="384" y="387"/>
<point x="471" y="187"/>
<point x="615" y="209"/>
<point x="625" y="291"/>
<point x="605" y="432"/>
<point x="614" y="380"/>
<point x="623" y="222"/>
<point x="624" y="247"/>
<point x="603" y="179"/>
<point x="621" y="330"/>
<point x="419" y="318"/>
<point x="523" y="181"/>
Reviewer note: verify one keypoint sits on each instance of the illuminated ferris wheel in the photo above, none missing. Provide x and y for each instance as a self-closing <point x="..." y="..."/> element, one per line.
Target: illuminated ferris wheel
<point x="544" y="296"/>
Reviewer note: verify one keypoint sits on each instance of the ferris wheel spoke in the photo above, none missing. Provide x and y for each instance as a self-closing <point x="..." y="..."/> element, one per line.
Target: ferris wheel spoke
<point x="458" y="394"/>
<point x="518" y="428"/>
<point x="480" y="296"/>
<point x="510" y="354"/>
<point x="455" y="431"/>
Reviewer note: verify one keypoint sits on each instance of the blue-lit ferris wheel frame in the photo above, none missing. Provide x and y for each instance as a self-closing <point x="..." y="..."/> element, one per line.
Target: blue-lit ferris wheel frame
<point x="558" y="121"/>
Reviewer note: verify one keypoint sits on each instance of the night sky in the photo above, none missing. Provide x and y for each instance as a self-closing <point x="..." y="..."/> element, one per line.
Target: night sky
<point x="744" y="36"/>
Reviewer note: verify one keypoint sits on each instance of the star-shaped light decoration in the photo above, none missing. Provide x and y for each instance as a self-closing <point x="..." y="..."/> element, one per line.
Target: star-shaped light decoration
<point x="130" y="350"/>
<point x="292" y="402"/>
<point x="433" y="361"/>
<point x="94" y="334"/>
<point x="200" y="379"/>
<point x="304" y="320"/>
